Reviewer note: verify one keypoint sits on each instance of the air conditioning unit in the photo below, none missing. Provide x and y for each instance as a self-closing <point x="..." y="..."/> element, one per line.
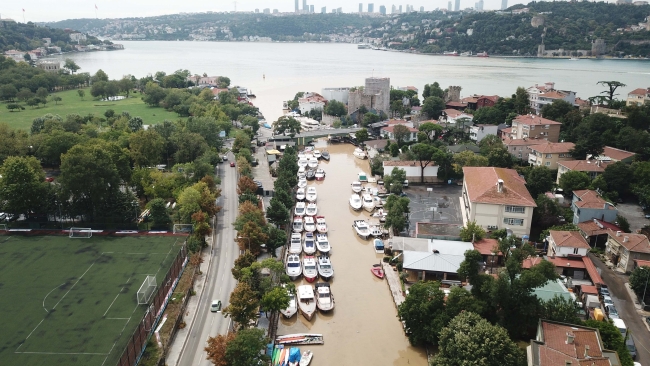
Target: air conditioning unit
<point x="492" y="227"/>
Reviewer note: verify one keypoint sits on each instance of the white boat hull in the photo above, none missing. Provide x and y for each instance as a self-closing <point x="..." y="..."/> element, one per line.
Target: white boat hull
<point x="369" y="208"/>
<point x="307" y="310"/>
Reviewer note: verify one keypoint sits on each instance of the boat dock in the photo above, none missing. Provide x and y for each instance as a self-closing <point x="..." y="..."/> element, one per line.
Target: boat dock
<point x="394" y="284"/>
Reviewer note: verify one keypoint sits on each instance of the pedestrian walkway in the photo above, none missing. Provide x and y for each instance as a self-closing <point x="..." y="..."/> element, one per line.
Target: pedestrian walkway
<point x="394" y="284"/>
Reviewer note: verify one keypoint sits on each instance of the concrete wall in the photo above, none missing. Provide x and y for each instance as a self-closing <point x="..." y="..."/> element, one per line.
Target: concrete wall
<point x="338" y="94"/>
<point x="413" y="173"/>
<point x="584" y="214"/>
<point x="566" y="251"/>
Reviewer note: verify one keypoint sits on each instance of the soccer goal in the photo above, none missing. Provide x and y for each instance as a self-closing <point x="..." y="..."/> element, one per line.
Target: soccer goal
<point x="146" y="290"/>
<point x="3" y="227"/>
<point x="81" y="232"/>
<point x="183" y="228"/>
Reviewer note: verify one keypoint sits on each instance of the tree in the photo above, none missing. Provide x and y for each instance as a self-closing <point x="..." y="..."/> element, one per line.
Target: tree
<point x="216" y="349"/>
<point x="8" y="92"/>
<point x="623" y="223"/>
<point x="610" y="92"/>
<point x="500" y="157"/>
<point x="56" y="99"/>
<point x="286" y="125"/>
<point x="277" y="213"/>
<point x="557" y="110"/>
<point x="397" y="208"/>
<point x="521" y="101"/>
<point x="424" y="154"/>
<point x="370" y="118"/>
<point x="71" y="66"/>
<point x="246" y="349"/>
<point x="275" y="300"/>
<point x="617" y="176"/>
<point x="243" y="305"/>
<point x="488" y="143"/>
<point x="126" y="85"/>
<point x="24" y="94"/>
<point x="159" y="214"/>
<point x="489" y="115"/>
<point x="361" y="135"/>
<point x="201" y="227"/>
<point x="23" y="189"/>
<point x="433" y="107"/>
<point x="467" y="158"/>
<point x="431" y="130"/>
<point x="539" y="180"/>
<point x="639" y="279"/>
<point x="81" y="93"/>
<point x="433" y="90"/>
<point x="394" y="182"/>
<point x="277" y="238"/>
<point x="423" y="313"/>
<point x="401" y="134"/>
<point x="469" y="339"/>
<point x="547" y="212"/>
<point x="15" y="106"/>
<point x="335" y="108"/>
<point x="559" y="309"/>
<point x="100" y="75"/>
<point x="245" y="260"/>
<point x="472" y="232"/>
<point x="574" y="181"/>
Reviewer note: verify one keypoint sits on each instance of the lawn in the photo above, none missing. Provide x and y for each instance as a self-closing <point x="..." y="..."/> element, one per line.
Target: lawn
<point x="72" y="103"/>
<point x="73" y="301"/>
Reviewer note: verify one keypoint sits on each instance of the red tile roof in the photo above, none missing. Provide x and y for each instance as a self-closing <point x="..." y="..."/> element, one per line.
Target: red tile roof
<point x="571" y="239"/>
<point x="589" y="199"/>
<point x="592" y="271"/>
<point x="481" y="183"/>
<point x="634" y="243"/>
<point x="556" y="334"/>
<point x="588" y="289"/>
<point x="617" y="154"/>
<point x="531" y="262"/>
<point x="486" y="246"/>
<point x="642" y="263"/>
<point x="453" y="113"/>
<point x="597" y="227"/>
<point x="456" y="104"/>
<point x="531" y="119"/>
<point x="555" y="94"/>
<point x="564" y="262"/>
<point x="522" y="142"/>
<point x="494" y="98"/>
<point x="390" y="128"/>
<point x="554" y="147"/>
<point x="584" y="165"/>
<point x="639" y="91"/>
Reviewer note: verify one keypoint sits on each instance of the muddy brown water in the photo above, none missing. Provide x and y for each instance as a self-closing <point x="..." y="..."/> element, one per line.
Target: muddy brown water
<point x="363" y="328"/>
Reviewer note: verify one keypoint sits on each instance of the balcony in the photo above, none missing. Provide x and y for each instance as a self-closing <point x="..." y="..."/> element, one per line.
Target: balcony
<point x="532" y="158"/>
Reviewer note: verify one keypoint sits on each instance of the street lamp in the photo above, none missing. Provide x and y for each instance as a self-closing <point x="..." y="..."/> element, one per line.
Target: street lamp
<point x="249" y="241"/>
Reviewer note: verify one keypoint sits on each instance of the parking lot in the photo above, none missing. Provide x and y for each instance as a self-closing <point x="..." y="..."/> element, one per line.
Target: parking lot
<point x="440" y="205"/>
<point x="634" y="215"/>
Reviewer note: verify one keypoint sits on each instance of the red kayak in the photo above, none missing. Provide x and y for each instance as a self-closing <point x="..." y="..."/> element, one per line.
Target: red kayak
<point x="377" y="271"/>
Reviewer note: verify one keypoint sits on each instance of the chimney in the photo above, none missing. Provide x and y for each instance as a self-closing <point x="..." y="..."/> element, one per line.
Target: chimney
<point x="586" y="351"/>
<point x="569" y="338"/>
<point x="568" y="363"/>
<point x="500" y="185"/>
<point x="618" y="233"/>
<point x="598" y="162"/>
<point x="626" y="239"/>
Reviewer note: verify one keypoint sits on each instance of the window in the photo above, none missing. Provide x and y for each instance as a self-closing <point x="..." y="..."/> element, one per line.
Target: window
<point x="532" y="127"/>
<point x="548" y="163"/>
<point x="511" y="221"/>
<point x="575" y="250"/>
<point x="562" y="155"/>
<point x="548" y="156"/>
<point x="546" y="127"/>
<point x="516" y="209"/>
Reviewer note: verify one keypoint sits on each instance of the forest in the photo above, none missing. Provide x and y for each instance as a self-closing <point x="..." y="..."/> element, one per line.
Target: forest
<point x="26" y="37"/>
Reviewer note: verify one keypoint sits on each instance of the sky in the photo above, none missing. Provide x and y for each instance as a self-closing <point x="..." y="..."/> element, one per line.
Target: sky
<point x="53" y="10"/>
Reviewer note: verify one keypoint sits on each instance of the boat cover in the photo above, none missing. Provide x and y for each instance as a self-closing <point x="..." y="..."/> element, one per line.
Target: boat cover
<point x="294" y="354"/>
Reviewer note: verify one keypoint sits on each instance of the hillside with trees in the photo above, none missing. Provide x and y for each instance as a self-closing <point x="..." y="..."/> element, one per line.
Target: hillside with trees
<point x="26" y="37"/>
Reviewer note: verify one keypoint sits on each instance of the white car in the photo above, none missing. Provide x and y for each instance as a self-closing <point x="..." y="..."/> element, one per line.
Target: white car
<point x="215" y="306"/>
<point x="607" y="300"/>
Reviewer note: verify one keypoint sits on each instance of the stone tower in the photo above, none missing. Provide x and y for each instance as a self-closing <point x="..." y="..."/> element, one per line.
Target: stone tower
<point x="452" y="94"/>
<point x="598" y="47"/>
<point x="374" y="96"/>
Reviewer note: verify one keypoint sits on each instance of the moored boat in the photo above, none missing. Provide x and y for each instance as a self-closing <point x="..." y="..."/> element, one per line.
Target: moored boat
<point x="324" y="298"/>
<point x="323" y="244"/>
<point x="293" y="266"/>
<point x="302" y="162"/>
<point x="300" y="209"/>
<point x="321" y="225"/>
<point x="306" y="301"/>
<point x="325" y="269"/>
<point x="368" y="202"/>
<point x="309" y="244"/>
<point x="482" y="54"/>
<point x="295" y="245"/>
<point x="312" y="163"/>
<point x="297" y="225"/>
<point x="360" y="154"/>
<point x="317" y="154"/>
<point x="309" y="270"/>
<point x="311" y="194"/>
<point x="300" y="194"/>
<point x="356" y="186"/>
<point x="379" y="203"/>
<point x="355" y="202"/>
<point x="292" y="309"/>
<point x="310" y="174"/>
<point x="325" y="155"/>
<point x="361" y="228"/>
<point x="363" y="177"/>
<point x="309" y="224"/>
<point x="449" y="53"/>
<point x="379" y="245"/>
<point x="320" y="174"/>
<point x="312" y="209"/>
<point x="302" y="182"/>
<point x="377" y="271"/>
<point x="376" y="230"/>
<point x="306" y="357"/>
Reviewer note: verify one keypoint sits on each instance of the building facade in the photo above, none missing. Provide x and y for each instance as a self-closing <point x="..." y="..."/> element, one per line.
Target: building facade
<point x="548" y="154"/>
<point x="478" y="132"/>
<point x="535" y="127"/>
<point x="588" y="205"/>
<point x="623" y="248"/>
<point x="638" y="96"/>
<point x="374" y="96"/>
<point x="592" y="168"/>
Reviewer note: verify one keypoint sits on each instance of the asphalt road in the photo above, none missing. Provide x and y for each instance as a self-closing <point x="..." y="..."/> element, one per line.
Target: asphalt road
<point x="220" y="282"/>
<point x="626" y="310"/>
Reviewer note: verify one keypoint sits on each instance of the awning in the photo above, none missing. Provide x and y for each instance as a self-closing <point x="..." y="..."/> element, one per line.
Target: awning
<point x="593" y="273"/>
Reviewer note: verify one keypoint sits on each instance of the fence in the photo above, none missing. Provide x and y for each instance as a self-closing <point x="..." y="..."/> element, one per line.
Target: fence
<point x="138" y="342"/>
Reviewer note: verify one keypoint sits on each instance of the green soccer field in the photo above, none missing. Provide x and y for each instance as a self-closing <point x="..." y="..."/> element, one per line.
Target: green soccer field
<point x="73" y="301"/>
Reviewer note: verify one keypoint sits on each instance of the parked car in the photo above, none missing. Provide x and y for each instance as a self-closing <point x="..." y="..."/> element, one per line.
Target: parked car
<point x="225" y="157"/>
<point x="216" y="306"/>
<point x="629" y="343"/>
<point x="611" y="311"/>
<point x="647" y="319"/>
<point x="604" y="291"/>
<point x="232" y="163"/>
<point x="607" y="300"/>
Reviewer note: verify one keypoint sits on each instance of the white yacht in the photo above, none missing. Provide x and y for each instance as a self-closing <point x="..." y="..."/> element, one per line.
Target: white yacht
<point x="309" y="270"/>
<point x="294" y="270"/>
<point x="363" y="177"/>
<point x="306" y="301"/>
<point x="355" y="202"/>
<point x="311" y="194"/>
<point x="309" y="244"/>
<point x="302" y="170"/>
<point x="309" y="224"/>
<point x="297" y="224"/>
<point x="300" y="194"/>
<point x="376" y="230"/>
<point x="368" y="202"/>
<point x="302" y="182"/>
<point x="300" y="209"/>
<point x="323" y="244"/>
<point x="312" y="163"/>
<point x="360" y="154"/>
<point x="325" y="269"/>
<point x="292" y="309"/>
<point x="379" y="203"/>
<point x="302" y="162"/>
<point x="362" y="229"/>
<point x="317" y="154"/>
<point x="324" y="298"/>
<point x="320" y="174"/>
<point x="295" y="245"/>
<point x="321" y="225"/>
<point x="312" y="209"/>
<point x="356" y="186"/>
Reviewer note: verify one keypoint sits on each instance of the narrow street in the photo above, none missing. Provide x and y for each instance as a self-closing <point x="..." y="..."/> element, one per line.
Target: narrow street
<point x="626" y="310"/>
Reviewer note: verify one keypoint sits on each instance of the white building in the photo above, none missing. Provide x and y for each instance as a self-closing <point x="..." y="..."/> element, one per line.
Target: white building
<point x="337" y="94"/>
<point x="311" y="102"/>
<point x="567" y="244"/>
<point x="388" y="133"/>
<point x="413" y="170"/>
<point x="541" y="95"/>
<point x="451" y="116"/>
<point x="478" y="132"/>
<point x="77" y="37"/>
<point x="496" y="198"/>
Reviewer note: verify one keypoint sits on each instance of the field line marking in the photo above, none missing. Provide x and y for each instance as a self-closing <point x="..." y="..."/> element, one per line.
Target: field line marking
<point x="48" y="294"/>
<point x="75" y="284"/>
<point x="118" y="318"/>
<point x="64" y="353"/>
<point x="120" y="335"/>
<point x="118" y="294"/>
<point x="30" y="334"/>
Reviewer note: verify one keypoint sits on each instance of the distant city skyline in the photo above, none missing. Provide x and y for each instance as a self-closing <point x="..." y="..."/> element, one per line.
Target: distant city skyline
<point x="46" y="10"/>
